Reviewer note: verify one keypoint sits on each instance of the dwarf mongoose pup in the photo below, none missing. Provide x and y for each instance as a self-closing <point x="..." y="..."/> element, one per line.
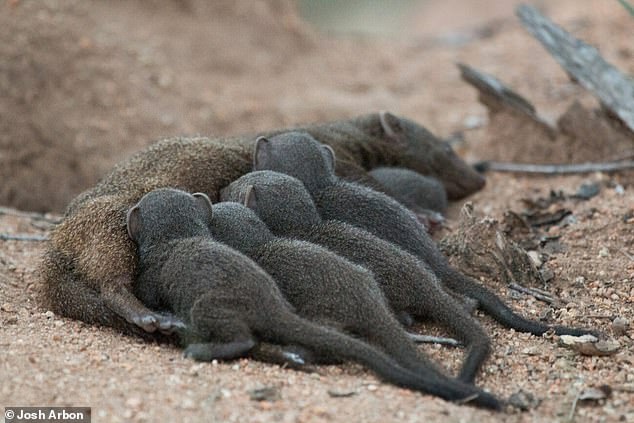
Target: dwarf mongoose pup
<point x="410" y="287"/>
<point x="230" y="304"/>
<point x="413" y="190"/>
<point x="301" y="156"/>
<point x="424" y="195"/>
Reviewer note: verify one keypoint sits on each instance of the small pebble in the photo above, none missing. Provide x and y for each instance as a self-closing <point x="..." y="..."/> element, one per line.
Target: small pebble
<point x="133" y="402"/>
<point x="473" y="122"/>
<point x="341" y="394"/>
<point x="265" y="393"/>
<point x="534" y="256"/>
<point x="523" y="400"/>
<point x="188" y="404"/>
<point x="594" y="394"/>
<point x="7" y="307"/>
<point x="620" y="326"/>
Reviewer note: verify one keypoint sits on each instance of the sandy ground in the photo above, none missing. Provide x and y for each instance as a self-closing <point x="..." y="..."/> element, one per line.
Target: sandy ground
<point x="84" y="84"/>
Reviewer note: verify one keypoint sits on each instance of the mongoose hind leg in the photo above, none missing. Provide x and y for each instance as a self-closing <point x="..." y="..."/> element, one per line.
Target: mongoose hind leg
<point x="407" y="320"/>
<point x="122" y="301"/>
<point x="228" y="334"/>
<point x="469" y="304"/>
<point x="447" y="309"/>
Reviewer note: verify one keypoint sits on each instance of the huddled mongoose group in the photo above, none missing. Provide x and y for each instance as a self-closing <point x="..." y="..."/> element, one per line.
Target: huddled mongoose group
<point x="321" y="285"/>
<point x="89" y="266"/>
<point x="300" y="155"/>
<point x="139" y="253"/>
<point x="229" y="304"/>
<point x="410" y="287"/>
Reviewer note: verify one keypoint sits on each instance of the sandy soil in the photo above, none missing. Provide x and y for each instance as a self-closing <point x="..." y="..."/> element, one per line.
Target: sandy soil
<point x="84" y="84"/>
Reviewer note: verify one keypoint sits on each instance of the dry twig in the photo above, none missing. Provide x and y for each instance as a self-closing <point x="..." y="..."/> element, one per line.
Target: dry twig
<point x="556" y="169"/>
<point x="22" y="237"/>
<point x="537" y="293"/>
<point x="584" y="64"/>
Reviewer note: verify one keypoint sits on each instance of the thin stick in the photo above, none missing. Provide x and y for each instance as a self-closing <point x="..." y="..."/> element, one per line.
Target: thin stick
<point x="626" y="254"/>
<point x="547" y="298"/>
<point x="22" y="237"/>
<point x="573" y="409"/>
<point x="556" y="169"/>
<point x="428" y="339"/>
<point x="30" y="215"/>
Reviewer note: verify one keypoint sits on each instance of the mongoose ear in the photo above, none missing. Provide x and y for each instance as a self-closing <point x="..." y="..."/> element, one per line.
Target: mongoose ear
<point x="250" y="198"/>
<point x="133" y="222"/>
<point x="330" y="156"/>
<point x="261" y="153"/>
<point x="204" y="203"/>
<point x="390" y="124"/>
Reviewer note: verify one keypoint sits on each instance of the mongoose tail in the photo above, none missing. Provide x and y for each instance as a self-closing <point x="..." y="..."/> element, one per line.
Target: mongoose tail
<point x="292" y="329"/>
<point x="492" y="305"/>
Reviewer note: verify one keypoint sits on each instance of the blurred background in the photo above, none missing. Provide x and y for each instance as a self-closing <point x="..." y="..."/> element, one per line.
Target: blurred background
<point x="84" y="84"/>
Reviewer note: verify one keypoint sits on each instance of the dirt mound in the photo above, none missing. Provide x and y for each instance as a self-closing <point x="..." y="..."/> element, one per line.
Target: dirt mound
<point x="83" y="83"/>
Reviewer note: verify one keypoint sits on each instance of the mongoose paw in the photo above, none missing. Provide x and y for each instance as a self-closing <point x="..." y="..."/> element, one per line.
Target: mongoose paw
<point x="151" y="322"/>
<point x="147" y="322"/>
<point x="168" y="323"/>
<point x="431" y="220"/>
<point x="294" y="358"/>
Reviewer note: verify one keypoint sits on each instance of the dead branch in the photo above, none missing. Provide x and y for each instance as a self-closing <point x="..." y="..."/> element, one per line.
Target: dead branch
<point x="556" y="169"/>
<point x="495" y="95"/>
<point x="537" y="293"/>
<point x="584" y="64"/>
<point x="488" y="85"/>
<point x="22" y="237"/>
<point x="30" y="215"/>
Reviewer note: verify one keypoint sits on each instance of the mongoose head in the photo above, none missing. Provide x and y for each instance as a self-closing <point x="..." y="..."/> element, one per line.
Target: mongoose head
<point x="239" y="227"/>
<point x="421" y="151"/>
<point x="280" y="200"/>
<point x="166" y="214"/>
<point x="297" y="154"/>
